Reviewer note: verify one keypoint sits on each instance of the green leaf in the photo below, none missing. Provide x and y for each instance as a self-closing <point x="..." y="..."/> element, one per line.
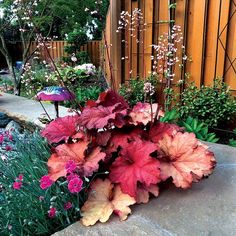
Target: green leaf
<point x="172" y="6"/>
<point x="232" y="142"/>
<point x="188" y="127"/>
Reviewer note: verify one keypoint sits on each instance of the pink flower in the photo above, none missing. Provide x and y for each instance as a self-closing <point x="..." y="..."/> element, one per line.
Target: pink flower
<point x="52" y="212"/>
<point x="17" y="185"/>
<point x="70" y="166"/>
<point x="1" y="138"/>
<point x="9" y="135"/>
<point x="20" y="177"/>
<point x="41" y="198"/>
<point x="67" y="206"/>
<point x="45" y="182"/>
<point x="71" y="176"/>
<point x="75" y="185"/>
<point x="8" y="148"/>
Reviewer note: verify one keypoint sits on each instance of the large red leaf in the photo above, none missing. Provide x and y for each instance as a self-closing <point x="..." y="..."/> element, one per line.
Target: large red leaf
<point x="135" y="165"/>
<point x="99" y="117"/>
<point x="184" y="159"/>
<point x="86" y="164"/>
<point x="61" y="129"/>
<point x="110" y="109"/>
<point x="122" y="139"/>
<point x="160" y="129"/>
<point x="110" y="98"/>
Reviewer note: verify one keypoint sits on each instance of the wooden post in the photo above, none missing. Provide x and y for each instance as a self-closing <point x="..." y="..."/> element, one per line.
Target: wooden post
<point x="115" y="39"/>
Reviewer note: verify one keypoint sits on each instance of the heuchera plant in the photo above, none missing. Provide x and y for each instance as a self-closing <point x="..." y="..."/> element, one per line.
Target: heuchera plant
<point x="131" y="146"/>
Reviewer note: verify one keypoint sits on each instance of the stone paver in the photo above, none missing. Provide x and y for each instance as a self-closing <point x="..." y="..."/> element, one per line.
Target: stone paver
<point x="207" y="209"/>
<point x="27" y="110"/>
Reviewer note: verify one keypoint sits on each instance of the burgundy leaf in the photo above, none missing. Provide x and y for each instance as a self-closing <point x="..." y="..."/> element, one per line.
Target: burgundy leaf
<point x="61" y="129"/>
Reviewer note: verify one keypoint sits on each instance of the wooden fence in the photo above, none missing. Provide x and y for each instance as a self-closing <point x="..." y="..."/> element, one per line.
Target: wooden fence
<point x="57" y="50"/>
<point x="209" y="34"/>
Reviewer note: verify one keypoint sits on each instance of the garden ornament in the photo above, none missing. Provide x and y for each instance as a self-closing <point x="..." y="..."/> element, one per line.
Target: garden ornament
<point x="55" y="94"/>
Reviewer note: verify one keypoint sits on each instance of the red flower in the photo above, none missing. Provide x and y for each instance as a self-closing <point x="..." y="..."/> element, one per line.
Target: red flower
<point x="67" y="206"/>
<point x="17" y="185"/>
<point x="75" y="185"/>
<point x="45" y="182"/>
<point x="8" y="148"/>
<point x="52" y="212"/>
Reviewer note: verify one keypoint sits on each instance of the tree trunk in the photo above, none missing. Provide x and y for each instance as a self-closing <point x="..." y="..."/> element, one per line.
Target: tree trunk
<point x="13" y="74"/>
<point x="4" y="50"/>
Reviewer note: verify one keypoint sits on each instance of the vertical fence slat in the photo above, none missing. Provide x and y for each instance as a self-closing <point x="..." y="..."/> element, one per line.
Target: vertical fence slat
<point x="230" y="73"/>
<point x="134" y="49"/>
<point x="213" y="26"/>
<point x="180" y="20"/>
<point x="148" y="15"/>
<point x="195" y="44"/>
<point x="224" y="17"/>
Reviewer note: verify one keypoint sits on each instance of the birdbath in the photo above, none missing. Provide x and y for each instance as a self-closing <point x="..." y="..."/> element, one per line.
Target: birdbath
<point x="55" y="94"/>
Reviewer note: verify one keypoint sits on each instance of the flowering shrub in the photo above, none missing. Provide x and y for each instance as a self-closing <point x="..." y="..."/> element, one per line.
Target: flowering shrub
<point x="123" y="154"/>
<point x="89" y="69"/>
<point x="39" y="76"/>
<point x="135" y="90"/>
<point x="30" y="202"/>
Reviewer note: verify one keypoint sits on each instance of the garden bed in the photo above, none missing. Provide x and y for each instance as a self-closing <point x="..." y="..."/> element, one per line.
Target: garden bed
<point x="199" y="211"/>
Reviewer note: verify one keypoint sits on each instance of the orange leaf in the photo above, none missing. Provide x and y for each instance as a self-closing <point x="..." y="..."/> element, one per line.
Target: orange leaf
<point x="91" y="162"/>
<point x="143" y="193"/>
<point x="185" y="159"/>
<point x="143" y="112"/>
<point x="103" y="199"/>
<point x="86" y="164"/>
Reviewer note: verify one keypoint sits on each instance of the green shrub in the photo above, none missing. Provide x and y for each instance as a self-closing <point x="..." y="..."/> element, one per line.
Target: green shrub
<point x="39" y="77"/>
<point x="82" y="57"/>
<point x="133" y="91"/>
<point x="213" y="105"/>
<point x="76" y="39"/>
<point x="84" y="94"/>
<point x="200" y="129"/>
<point x="232" y="141"/>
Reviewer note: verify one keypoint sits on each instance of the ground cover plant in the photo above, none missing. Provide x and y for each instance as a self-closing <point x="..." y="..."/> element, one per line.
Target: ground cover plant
<point x="25" y="208"/>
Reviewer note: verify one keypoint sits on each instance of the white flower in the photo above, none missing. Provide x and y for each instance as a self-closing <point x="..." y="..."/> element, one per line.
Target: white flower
<point x="88" y="68"/>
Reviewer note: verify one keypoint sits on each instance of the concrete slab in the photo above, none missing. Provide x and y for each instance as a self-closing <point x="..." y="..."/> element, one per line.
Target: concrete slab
<point x="27" y="110"/>
<point x="207" y="209"/>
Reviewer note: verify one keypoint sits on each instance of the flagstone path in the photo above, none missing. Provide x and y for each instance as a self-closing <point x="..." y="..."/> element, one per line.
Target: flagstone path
<point x="27" y="110"/>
